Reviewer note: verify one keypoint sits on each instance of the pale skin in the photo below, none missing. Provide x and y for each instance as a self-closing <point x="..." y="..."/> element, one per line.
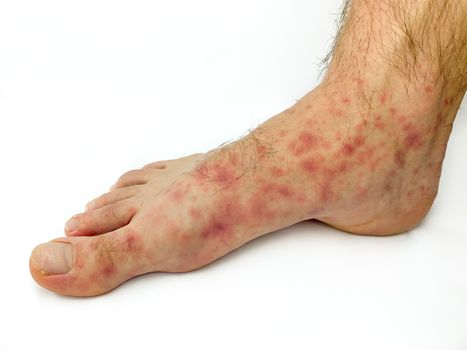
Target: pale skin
<point x="362" y="152"/>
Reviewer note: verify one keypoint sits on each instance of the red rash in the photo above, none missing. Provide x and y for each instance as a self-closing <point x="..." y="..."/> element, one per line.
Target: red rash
<point x="302" y="144"/>
<point x="309" y="165"/>
<point x="194" y="213"/>
<point x="399" y="157"/>
<point x="261" y="151"/>
<point x="412" y="137"/>
<point x="176" y="195"/>
<point x="283" y="190"/>
<point x="277" y="172"/>
<point x="379" y="124"/>
<point x="259" y="209"/>
<point x="108" y="270"/>
<point x="222" y="223"/>
<point x="222" y="174"/>
<point x="428" y="89"/>
<point x="346" y="100"/>
<point x="382" y="98"/>
<point x="359" y="141"/>
<point x="348" y="149"/>
<point x="132" y="243"/>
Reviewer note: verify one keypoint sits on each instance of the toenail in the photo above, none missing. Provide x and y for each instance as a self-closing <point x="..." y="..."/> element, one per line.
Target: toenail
<point x="53" y="258"/>
<point x="72" y="224"/>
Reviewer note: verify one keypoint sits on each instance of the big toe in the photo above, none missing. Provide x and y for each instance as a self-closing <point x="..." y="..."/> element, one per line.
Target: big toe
<point x="86" y="266"/>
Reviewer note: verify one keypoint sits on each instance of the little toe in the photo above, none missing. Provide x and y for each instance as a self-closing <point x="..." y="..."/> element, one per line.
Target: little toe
<point x="114" y="196"/>
<point x="86" y="266"/>
<point x="102" y="220"/>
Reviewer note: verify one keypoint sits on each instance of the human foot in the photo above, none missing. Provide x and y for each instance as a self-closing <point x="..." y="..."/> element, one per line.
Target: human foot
<point x="371" y="173"/>
<point x="362" y="152"/>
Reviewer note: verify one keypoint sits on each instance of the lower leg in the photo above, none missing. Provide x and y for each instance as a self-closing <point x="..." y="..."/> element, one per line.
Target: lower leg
<point x="361" y="152"/>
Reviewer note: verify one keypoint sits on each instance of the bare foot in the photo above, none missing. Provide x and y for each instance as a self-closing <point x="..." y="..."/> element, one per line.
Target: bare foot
<point x="362" y="154"/>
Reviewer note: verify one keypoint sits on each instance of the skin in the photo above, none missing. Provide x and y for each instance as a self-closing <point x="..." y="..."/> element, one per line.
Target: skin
<point x="362" y="152"/>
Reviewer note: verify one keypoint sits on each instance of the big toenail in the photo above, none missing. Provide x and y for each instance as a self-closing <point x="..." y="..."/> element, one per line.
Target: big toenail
<point x="53" y="258"/>
<point x="72" y="224"/>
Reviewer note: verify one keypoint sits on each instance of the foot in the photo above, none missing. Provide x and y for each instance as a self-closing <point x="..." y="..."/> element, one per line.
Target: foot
<point x="330" y="157"/>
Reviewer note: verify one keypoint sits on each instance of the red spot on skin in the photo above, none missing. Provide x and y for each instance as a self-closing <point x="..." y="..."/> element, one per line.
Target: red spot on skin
<point x="448" y="101"/>
<point x="261" y="151"/>
<point x="379" y="124"/>
<point x="393" y="111"/>
<point x="359" y="141"/>
<point x="222" y="223"/>
<point x="108" y="271"/>
<point x="413" y="139"/>
<point x="345" y="100"/>
<point x="277" y="172"/>
<point x="348" y="149"/>
<point x="223" y="174"/>
<point x="176" y="194"/>
<point x="284" y="191"/>
<point x="428" y="89"/>
<point x="402" y="118"/>
<point x="309" y="165"/>
<point x="194" y="213"/>
<point x="302" y="144"/>
<point x="131" y="242"/>
<point x="382" y="98"/>
<point x="399" y="157"/>
<point x="272" y="189"/>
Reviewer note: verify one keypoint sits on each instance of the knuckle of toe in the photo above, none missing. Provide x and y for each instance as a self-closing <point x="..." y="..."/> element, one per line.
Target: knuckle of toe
<point x="130" y="174"/>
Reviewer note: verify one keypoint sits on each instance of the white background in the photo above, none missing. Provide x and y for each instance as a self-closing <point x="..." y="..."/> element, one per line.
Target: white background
<point x="90" y="89"/>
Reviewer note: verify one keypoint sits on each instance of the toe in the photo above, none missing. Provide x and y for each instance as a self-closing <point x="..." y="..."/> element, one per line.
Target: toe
<point x="134" y="177"/>
<point x="157" y="165"/>
<point x="85" y="266"/>
<point x="113" y="196"/>
<point x="102" y="220"/>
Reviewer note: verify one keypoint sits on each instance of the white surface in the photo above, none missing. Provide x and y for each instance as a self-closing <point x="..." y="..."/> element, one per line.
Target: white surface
<point x="90" y="89"/>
